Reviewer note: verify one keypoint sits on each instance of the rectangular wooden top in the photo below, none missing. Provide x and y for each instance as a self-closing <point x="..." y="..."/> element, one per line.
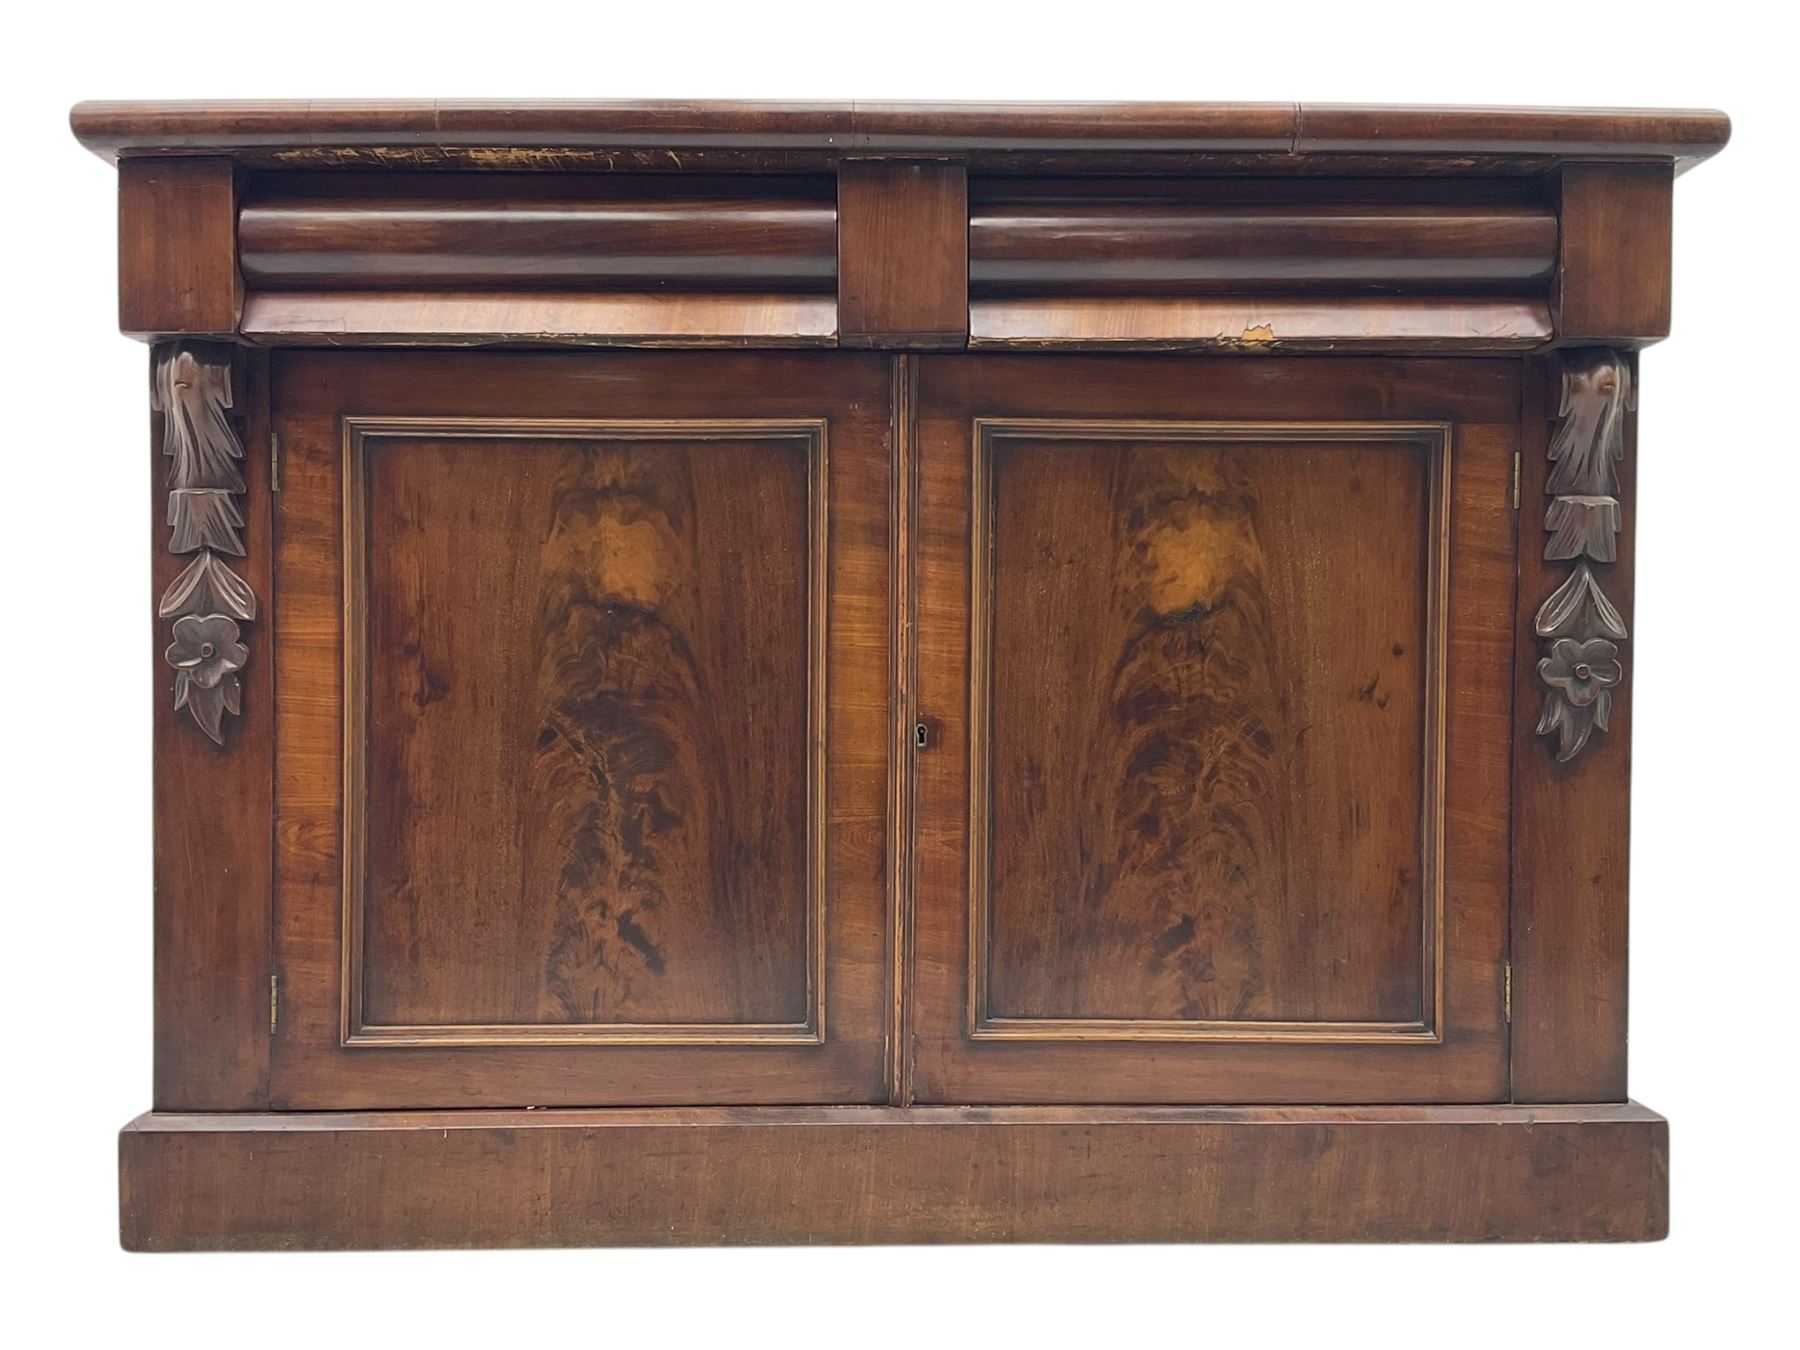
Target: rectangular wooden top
<point x="299" y="133"/>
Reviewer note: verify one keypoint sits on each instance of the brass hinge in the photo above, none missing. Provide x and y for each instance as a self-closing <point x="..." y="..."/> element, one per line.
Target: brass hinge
<point x="1515" y="494"/>
<point x="275" y="461"/>
<point x="274" y="1002"/>
<point x="1508" y="987"/>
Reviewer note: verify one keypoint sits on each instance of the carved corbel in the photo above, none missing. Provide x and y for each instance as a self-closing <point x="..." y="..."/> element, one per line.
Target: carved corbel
<point x="191" y="390"/>
<point x="1580" y="625"/>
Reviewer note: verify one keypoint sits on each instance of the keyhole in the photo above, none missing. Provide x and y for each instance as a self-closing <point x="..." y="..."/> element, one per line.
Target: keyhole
<point x="927" y="733"/>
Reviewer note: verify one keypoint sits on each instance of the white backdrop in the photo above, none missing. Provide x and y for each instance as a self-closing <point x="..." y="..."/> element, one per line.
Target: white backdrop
<point x="1713" y="940"/>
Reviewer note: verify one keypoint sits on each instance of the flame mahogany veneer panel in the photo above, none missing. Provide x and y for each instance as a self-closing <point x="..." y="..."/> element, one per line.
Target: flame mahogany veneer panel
<point x="582" y="778"/>
<point x="1206" y="770"/>
<point x="1215" y="804"/>
<point x="587" y="797"/>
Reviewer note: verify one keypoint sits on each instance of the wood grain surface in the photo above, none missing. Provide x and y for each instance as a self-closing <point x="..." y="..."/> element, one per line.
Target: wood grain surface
<point x="1100" y="133"/>
<point x="689" y="1177"/>
<point x="1615" y="267"/>
<point x="903" y="255"/>
<point x="558" y="231"/>
<point x="1238" y="325"/>
<point x="178" y="270"/>
<point x="214" y="810"/>
<point x="1110" y="242"/>
<point x="1571" y="820"/>
<point x="1206" y="769"/>
<point x="540" y="318"/>
<point x="588" y="794"/>
<point x="1185" y="717"/>
<point x="586" y="736"/>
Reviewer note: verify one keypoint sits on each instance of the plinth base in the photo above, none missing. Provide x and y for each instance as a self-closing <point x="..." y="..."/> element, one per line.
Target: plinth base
<point x="778" y="1175"/>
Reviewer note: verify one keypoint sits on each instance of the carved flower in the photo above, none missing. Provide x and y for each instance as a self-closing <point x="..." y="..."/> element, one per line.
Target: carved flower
<point x="1582" y="670"/>
<point x="206" y="647"/>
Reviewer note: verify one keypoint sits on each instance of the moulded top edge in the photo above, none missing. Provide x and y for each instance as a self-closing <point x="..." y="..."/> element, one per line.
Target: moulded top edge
<point x="264" y="129"/>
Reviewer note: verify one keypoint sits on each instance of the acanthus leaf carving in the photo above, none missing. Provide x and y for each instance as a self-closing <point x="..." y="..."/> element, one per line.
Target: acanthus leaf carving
<point x="1579" y="609"/>
<point x="205" y="518"/>
<point x="1581" y="625"/>
<point x="1582" y="527"/>
<point x="207" y="706"/>
<point x="1573" y="725"/>
<point x="191" y="390"/>
<point x="1589" y="442"/>
<point x="208" y="586"/>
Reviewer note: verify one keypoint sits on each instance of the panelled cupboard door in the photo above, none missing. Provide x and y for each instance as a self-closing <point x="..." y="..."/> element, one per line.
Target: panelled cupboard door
<point x="582" y="664"/>
<point x="1214" y="660"/>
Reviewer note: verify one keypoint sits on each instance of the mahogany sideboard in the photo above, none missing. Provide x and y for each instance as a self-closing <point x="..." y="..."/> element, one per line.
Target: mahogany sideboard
<point x="790" y="673"/>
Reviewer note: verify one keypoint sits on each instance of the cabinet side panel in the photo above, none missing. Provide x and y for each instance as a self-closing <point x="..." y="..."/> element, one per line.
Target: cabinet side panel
<point x="1570" y="817"/>
<point x="213" y="809"/>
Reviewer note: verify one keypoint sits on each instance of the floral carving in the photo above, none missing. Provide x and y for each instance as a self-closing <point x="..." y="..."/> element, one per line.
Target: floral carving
<point x="1584" y="672"/>
<point x="207" y="649"/>
<point x="207" y="655"/>
<point x="191" y="389"/>
<point x="1583" y="519"/>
